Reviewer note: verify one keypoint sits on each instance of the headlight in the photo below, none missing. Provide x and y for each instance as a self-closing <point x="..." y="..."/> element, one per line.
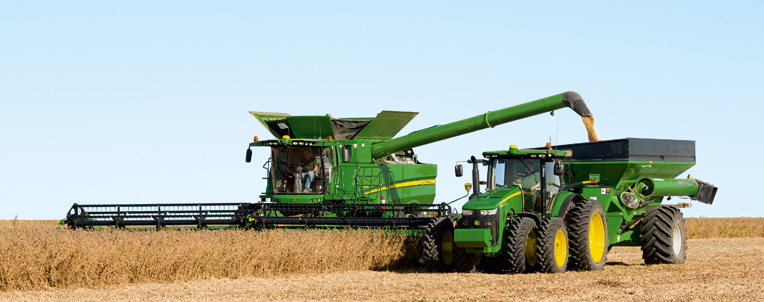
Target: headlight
<point x="466" y="212"/>
<point x="488" y="212"/>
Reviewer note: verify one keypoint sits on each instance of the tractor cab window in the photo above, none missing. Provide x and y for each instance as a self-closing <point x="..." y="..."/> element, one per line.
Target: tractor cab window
<point x="506" y="172"/>
<point x="301" y="170"/>
<point x="553" y="182"/>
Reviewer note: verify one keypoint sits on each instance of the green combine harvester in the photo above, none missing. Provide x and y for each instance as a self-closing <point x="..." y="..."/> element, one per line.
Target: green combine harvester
<point x="329" y="172"/>
<point x="551" y="209"/>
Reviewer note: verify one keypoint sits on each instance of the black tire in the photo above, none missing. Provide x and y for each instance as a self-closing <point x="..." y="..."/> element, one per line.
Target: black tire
<point x="493" y="265"/>
<point x="664" y="237"/>
<point x="552" y="246"/>
<point x="588" y="236"/>
<point x="440" y="252"/>
<point x="465" y="262"/>
<point x="520" y="237"/>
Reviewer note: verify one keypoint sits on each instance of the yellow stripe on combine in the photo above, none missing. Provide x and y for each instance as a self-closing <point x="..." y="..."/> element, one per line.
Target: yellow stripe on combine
<point x="403" y="185"/>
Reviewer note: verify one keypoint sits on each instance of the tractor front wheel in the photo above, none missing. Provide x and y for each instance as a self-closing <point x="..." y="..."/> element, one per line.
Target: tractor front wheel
<point x="521" y="245"/>
<point x="552" y="246"/>
<point x="440" y="252"/>
<point x="664" y="237"/>
<point x="588" y="236"/>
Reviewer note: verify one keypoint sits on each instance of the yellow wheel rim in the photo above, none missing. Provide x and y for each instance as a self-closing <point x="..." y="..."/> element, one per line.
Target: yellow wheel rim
<point x="447" y="247"/>
<point x="530" y="248"/>
<point x="596" y="237"/>
<point x="560" y="248"/>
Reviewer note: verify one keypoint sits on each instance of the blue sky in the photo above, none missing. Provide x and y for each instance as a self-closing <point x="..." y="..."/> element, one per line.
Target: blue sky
<point x="146" y="101"/>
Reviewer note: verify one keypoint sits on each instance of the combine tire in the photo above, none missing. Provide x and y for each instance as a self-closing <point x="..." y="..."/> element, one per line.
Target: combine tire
<point x="521" y="245"/>
<point x="440" y="252"/>
<point x="588" y="236"/>
<point x="664" y="237"/>
<point x="552" y="246"/>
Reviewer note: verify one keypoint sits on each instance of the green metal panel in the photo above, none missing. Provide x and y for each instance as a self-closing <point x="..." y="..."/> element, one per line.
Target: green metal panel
<point x="493" y="199"/>
<point x="310" y="126"/>
<point x="298" y="198"/>
<point x="472" y="238"/>
<point x="632" y="237"/>
<point x="614" y="172"/>
<point x="264" y="117"/>
<point x="667" y="187"/>
<point x="399" y="184"/>
<point x="559" y="199"/>
<point x="386" y="125"/>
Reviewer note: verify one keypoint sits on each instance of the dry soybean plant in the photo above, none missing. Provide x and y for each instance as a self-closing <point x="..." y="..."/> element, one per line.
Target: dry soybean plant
<point x="35" y="258"/>
<point x="724" y="227"/>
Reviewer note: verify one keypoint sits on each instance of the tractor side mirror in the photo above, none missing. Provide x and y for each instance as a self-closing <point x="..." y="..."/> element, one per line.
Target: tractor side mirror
<point x="249" y="155"/>
<point x="345" y="154"/>
<point x="558" y="168"/>
<point x="459" y="170"/>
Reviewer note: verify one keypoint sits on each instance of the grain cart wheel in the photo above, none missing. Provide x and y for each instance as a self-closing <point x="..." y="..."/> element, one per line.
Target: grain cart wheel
<point x="664" y="237"/>
<point x="440" y="252"/>
<point x="552" y="245"/>
<point x="588" y="236"/>
<point x="521" y="245"/>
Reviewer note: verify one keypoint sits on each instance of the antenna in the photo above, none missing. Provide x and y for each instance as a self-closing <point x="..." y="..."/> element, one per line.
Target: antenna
<point x="557" y="135"/>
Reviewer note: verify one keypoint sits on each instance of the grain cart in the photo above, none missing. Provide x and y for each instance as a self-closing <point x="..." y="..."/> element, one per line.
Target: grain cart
<point x="550" y="209"/>
<point x="326" y="172"/>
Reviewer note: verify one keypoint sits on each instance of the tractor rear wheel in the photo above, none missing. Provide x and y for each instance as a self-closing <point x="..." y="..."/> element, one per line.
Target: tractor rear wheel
<point x="664" y="237"/>
<point x="440" y="252"/>
<point x="552" y="246"/>
<point x="521" y="245"/>
<point x="588" y="236"/>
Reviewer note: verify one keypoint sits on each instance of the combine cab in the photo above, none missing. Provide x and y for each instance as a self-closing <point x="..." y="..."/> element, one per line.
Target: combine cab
<point x="328" y="172"/>
<point x="551" y="209"/>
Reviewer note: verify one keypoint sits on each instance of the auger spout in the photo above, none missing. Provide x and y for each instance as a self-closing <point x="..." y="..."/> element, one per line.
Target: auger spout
<point x="488" y="120"/>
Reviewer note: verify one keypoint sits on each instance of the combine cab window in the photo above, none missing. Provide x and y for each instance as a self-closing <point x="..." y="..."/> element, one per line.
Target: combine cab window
<point x="301" y="170"/>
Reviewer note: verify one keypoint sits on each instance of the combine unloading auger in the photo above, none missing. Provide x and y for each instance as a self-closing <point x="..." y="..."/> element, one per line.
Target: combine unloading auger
<point x="327" y="172"/>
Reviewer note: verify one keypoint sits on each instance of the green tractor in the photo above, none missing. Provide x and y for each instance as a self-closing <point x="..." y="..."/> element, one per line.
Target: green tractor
<point x="553" y="209"/>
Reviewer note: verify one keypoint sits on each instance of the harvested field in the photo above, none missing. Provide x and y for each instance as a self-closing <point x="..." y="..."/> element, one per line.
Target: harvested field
<point x="39" y="262"/>
<point x="716" y="270"/>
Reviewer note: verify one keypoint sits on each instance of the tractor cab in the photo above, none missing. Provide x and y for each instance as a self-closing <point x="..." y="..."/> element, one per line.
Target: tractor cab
<point x="533" y="175"/>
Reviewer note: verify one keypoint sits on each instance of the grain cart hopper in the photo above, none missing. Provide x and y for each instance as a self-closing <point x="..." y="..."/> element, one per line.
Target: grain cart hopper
<point x="326" y="172"/>
<point x="550" y="209"/>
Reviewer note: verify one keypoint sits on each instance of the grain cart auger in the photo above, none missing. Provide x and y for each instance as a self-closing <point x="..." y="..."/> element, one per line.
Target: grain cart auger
<point x="549" y="209"/>
<point x="327" y="172"/>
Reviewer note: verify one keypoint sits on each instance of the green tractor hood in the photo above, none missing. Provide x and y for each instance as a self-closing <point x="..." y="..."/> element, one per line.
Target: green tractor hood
<point x="492" y="199"/>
